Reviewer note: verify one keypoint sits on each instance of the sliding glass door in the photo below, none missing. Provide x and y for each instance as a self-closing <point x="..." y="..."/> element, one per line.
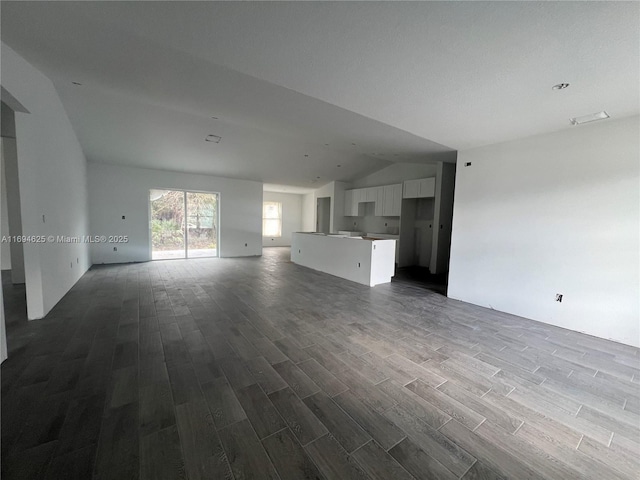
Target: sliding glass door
<point x="202" y="232"/>
<point x="183" y="224"/>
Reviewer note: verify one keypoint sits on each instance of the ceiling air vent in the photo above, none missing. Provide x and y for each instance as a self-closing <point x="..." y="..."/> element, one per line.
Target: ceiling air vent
<point x="213" y="138"/>
<point x="589" y="118"/>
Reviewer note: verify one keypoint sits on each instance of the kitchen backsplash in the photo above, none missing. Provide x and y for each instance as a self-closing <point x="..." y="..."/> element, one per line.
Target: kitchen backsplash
<point x="372" y="224"/>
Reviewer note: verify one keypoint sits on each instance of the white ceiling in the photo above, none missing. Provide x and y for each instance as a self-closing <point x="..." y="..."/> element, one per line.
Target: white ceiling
<point x="407" y="82"/>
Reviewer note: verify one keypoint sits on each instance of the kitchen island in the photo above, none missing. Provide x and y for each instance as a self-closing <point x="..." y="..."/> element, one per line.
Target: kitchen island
<point x="366" y="260"/>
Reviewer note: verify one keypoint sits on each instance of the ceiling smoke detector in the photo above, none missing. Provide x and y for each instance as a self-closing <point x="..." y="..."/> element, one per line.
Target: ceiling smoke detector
<point x="213" y="138"/>
<point x="560" y="86"/>
<point x="592" y="117"/>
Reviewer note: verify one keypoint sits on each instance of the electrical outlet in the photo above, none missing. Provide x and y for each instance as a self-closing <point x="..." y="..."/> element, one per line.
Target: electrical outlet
<point x="558" y="297"/>
<point x="123" y="217"/>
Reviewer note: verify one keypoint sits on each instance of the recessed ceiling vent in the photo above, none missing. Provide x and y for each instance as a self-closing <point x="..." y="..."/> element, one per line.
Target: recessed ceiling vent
<point x="592" y="117"/>
<point x="213" y="139"/>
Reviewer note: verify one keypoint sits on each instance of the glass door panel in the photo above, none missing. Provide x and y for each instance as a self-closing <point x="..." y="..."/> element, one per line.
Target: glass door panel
<point x="167" y="224"/>
<point x="202" y="228"/>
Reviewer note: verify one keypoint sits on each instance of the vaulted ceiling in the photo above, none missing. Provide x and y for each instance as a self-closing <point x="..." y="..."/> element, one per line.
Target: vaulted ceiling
<point x="307" y="92"/>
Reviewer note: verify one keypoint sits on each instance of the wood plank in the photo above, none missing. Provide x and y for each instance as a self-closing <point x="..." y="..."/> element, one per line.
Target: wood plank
<point x="161" y="455"/>
<point x="304" y="424"/>
<point x="415" y="405"/>
<point x="204" y="457"/>
<point x="263" y="416"/>
<point x="291" y="350"/>
<point x="419" y="463"/>
<point x="247" y="458"/>
<point x="333" y="461"/>
<point x="288" y="456"/>
<point x="497" y="416"/>
<point x="75" y="465"/>
<point x="265" y="375"/>
<point x="322" y="377"/>
<point x="184" y="383"/>
<point x="480" y="471"/>
<point x="378" y="464"/>
<point x="385" y="432"/>
<point x="296" y="379"/>
<point x="539" y="460"/>
<point x="347" y="432"/>
<point x="447" y="404"/>
<point x="223" y="404"/>
<point x="82" y="424"/>
<point x="439" y="446"/>
<point x="587" y="466"/>
<point x="118" y="447"/>
<point x="156" y="408"/>
<point x="502" y="462"/>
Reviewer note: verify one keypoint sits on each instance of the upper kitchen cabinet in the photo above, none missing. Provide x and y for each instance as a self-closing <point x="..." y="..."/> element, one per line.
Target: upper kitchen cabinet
<point x="348" y="203"/>
<point x="392" y="200"/>
<point x="421" y="188"/>
<point x="387" y="200"/>
<point x="379" y="208"/>
<point x="371" y="194"/>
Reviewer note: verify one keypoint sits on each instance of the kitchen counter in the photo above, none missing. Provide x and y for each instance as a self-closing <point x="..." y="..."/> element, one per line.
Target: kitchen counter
<point x="366" y="260"/>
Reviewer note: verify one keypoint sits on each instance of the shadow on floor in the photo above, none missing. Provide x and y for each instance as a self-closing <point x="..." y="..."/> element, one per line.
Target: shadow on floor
<point x="421" y="277"/>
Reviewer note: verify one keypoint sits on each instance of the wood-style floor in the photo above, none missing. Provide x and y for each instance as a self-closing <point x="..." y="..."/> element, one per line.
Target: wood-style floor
<point x="259" y="368"/>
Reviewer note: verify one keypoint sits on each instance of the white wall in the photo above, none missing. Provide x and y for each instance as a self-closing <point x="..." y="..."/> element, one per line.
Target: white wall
<point x="396" y="173"/>
<point x="5" y="248"/>
<point x="555" y="213"/>
<point x="308" y="212"/>
<point x="291" y="217"/>
<point x="115" y="191"/>
<point x="52" y="175"/>
<point x="333" y="190"/>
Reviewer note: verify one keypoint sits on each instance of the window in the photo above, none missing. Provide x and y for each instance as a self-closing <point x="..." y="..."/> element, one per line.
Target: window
<point x="272" y="219"/>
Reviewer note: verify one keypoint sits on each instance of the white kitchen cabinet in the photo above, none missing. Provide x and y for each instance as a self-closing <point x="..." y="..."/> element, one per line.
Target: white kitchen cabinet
<point x="411" y="189"/>
<point x="427" y="187"/>
<point x="420" y="188"/>
<point x="392" y="200"/>
<point x="370" y="194"/>
<point x="387" y="200"/>
<point x="348" y="203"/>
<point x="369" y="262"/>
<point x="379" y="202"/>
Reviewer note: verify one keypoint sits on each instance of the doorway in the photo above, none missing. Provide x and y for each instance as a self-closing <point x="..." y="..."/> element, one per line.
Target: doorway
<point x="183" y="224"/>
<point x="323" y="215"/>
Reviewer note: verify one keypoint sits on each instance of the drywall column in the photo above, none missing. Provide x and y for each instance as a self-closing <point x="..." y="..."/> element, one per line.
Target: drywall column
<point x="308" y="212"/>
<point x="53" y="188"/>
<point x="443" y="217"/>
<point x="5" y="258"/>
<point x="10" y="161"/>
